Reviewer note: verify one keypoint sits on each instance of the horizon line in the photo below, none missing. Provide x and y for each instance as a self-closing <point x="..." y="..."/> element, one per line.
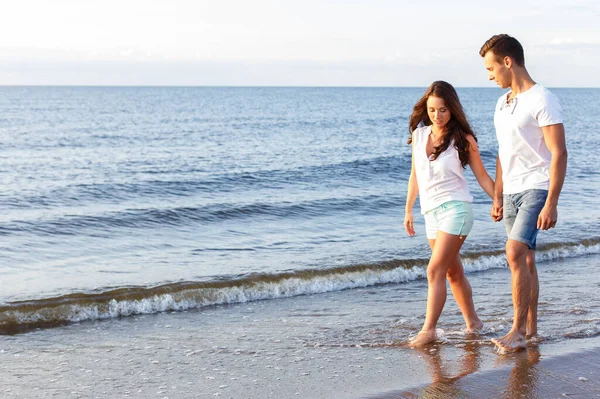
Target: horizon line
<point x="269" y="86"/>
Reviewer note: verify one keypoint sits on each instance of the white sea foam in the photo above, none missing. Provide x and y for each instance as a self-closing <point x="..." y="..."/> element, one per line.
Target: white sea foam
<point x="261" y="290"/>
<point x="541" y="255"/>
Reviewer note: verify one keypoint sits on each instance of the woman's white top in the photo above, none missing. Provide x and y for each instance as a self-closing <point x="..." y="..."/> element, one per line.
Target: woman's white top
<point x="441" y="180"/>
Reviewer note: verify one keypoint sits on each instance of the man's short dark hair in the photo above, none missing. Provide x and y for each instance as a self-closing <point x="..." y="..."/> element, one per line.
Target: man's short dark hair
<point x="502" y="46"/>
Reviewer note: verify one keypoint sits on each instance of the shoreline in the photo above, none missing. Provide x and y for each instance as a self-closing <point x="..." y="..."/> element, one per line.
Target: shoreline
<point x="235" y="352"/>
<point x="348" y="344"/>
<point x="158" y="368"/>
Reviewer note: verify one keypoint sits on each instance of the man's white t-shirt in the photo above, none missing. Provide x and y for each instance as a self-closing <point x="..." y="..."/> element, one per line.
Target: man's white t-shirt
<point x="524" y="156"/>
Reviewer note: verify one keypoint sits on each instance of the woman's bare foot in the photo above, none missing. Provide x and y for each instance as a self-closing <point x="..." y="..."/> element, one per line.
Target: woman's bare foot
<point x="511" y="342"/>
<point x="474" y="327"/>
<point x="423" y="338"/>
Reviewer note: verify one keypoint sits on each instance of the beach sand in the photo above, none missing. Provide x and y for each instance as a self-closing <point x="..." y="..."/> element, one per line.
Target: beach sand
<point x="159" y="360"/>
<point x="346" y="345"/>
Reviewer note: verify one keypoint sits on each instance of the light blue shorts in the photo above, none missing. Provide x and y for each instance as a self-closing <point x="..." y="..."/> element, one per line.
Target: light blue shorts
<point x="452" y="217"/>
<point x="521" y="213"/>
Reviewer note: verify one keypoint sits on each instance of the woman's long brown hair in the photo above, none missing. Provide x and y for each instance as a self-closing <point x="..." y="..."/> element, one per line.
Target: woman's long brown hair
<point x="457" y="127"/>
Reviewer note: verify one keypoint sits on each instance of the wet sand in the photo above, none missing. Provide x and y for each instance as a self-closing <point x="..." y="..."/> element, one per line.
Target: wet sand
<point x="179" y="356"/>
<point x="527" y="374"/>
<point x="159" y="360"/>
<point x="186" y="355"/>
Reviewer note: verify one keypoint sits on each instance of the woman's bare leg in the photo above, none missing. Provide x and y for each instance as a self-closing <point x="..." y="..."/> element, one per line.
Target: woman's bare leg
<point x="463" y="294"/>
<point x="445" y="246"/>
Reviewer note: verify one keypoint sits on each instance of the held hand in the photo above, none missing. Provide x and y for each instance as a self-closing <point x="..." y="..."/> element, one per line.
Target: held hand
<point x="409" y="224"/>
<point x="497" y="210"/>
<point x="497" y="214"/>
<point x="547" y="218"/>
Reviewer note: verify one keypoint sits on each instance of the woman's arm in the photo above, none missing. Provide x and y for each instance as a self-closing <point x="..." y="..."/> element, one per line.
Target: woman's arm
<point x="483" y="178"/>
<point x="498" y="203"/>
<point x="411" y="197"/>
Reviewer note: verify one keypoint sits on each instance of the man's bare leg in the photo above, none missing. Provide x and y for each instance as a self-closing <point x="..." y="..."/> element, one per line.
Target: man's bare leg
<point x="516" y="254"/>
<point x="445" y="246"/>
<point x="534" y="297"/>
<point x="463" y="294"/>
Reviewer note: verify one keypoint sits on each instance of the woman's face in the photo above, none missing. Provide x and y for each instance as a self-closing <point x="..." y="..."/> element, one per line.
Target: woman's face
<point x="438" y="113"/>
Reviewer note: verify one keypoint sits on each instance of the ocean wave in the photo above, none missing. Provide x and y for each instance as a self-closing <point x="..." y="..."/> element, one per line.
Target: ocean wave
<point x="149" y="218"/>
<point x="202" y="182"/>
<point x="23" y="316"/>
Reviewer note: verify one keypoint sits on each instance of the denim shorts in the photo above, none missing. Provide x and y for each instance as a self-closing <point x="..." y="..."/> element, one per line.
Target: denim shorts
<point x="452" y="217"/>
<point x="521" y="213"/>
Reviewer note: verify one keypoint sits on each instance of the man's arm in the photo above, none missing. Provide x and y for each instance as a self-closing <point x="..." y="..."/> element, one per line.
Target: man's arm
<point x="554" y="135"/>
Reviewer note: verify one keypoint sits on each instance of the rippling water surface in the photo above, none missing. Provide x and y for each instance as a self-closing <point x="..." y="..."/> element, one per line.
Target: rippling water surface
<point x="120" y="201"/>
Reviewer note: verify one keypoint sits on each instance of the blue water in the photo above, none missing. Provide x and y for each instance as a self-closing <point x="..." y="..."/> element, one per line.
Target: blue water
<point x="107" y="189"/>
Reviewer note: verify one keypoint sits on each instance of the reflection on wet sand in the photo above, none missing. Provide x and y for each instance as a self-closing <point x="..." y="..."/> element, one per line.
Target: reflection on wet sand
<point x="523" y="379"/>
<point x="448" y="374"/>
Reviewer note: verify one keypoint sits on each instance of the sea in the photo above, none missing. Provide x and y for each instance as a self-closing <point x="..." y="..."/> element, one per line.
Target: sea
<point x="117" y="202"/>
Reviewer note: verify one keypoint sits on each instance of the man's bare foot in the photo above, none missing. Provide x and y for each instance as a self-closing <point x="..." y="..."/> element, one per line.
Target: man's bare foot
<point x="534" y="339"/>
<point x="422" y="338"/>
<point x="511" y="342"/>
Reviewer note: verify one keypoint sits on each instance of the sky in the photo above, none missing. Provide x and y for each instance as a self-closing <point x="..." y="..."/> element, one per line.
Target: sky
<point x="291" y="43"/>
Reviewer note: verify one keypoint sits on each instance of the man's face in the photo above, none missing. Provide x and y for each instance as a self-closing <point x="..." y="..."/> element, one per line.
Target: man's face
<point x="499" y="72"/>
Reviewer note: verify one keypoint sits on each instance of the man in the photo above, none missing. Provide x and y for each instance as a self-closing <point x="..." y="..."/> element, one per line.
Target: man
<point x="530" y="171"/>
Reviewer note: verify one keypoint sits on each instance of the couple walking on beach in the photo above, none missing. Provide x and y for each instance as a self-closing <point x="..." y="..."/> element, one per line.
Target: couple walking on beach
<point x="530" y="171"/>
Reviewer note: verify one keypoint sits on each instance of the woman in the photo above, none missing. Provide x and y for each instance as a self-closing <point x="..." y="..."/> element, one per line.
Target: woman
<point x="443" y="144"/>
